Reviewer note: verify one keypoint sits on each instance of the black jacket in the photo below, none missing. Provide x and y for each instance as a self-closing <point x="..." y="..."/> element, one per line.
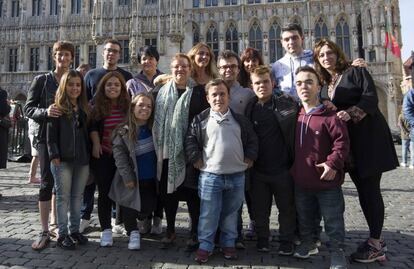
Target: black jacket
<point x="194" y="139"/>
<point x="40" y="96"/>
<point x="286" y="111"/>
<point x="61" y="137"/>
<point x="372" y="148"/>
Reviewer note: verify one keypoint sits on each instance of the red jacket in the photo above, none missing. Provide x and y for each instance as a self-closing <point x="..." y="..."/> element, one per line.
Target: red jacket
<point x="320" y="137"/>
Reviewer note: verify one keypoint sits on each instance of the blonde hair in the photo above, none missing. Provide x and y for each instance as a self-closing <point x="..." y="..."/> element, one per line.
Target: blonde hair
<point x="261" y="70"/>
<point x="211" y="68"/>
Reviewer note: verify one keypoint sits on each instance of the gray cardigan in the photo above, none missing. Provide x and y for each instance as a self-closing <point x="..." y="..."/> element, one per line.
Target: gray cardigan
<point x="127" y="170"/>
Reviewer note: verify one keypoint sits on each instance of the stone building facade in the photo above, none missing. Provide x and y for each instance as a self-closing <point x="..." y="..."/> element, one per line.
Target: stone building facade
<point x="28" y="29"/>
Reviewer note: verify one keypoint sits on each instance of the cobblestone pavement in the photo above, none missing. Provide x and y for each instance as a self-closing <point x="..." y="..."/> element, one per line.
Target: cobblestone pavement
<point x="19" y="225"/>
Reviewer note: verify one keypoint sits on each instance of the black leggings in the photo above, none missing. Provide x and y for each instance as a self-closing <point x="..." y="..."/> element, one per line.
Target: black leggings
<point x="371" y="202"/>
<point x="104" y="170"/>
<point x="171" y="200"/>
<point x="148" y="193"/>
<point x="47" y="182"/>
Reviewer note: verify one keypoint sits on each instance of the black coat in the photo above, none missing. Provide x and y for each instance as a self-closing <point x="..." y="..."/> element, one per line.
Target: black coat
<point x="40" y="96"/>
<point x="4" y="112"/>
<point x="372" y="147"/>
<point x="195" y="137"/>
<point x="286" y="111"/>
<point x="61" y="138"/>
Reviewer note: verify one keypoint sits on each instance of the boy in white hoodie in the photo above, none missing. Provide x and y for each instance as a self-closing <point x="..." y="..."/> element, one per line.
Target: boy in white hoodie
<point x="283" y="70"/>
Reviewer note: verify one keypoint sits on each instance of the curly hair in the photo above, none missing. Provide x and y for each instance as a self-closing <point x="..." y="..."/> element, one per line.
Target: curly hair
<point x="248" y="54"/>
<point x="62" y="101"/>
<point x="102" y="104"/>
<point x="341" y="63"/>
<point x="211" y="68"/>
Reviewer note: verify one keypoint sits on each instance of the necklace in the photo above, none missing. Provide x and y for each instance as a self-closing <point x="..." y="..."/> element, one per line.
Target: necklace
<point x="333" y="84"/>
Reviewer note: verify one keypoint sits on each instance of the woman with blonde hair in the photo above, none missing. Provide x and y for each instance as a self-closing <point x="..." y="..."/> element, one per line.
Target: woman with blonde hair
<point x="69" y="153"/>
<point x="203" y="64"/>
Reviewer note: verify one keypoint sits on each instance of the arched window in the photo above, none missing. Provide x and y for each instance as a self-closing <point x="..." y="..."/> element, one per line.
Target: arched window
<point x="275" y="46"/>
<point x="321" y="30"/>
<point x="342" y="36"/>
<point x="232" y="38"/>
<point x="255" y="36"/>
<point x="196" y="34"/>
<point x="212" y="39"/>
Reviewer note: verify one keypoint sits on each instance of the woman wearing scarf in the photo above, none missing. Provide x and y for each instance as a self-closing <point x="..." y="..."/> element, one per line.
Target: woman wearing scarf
<point x="175" y="107"/>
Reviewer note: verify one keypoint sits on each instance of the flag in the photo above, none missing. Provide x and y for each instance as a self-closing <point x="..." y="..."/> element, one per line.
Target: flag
<point x="390" y="41"/>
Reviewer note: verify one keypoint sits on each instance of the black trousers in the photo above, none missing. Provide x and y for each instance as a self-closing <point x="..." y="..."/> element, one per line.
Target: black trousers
<point x="372" y="204"/>
<point x="262" y="191"/>
<point x="104" y="170"/>
<point x="171" y="200"/>
<point x="148" y="193"/>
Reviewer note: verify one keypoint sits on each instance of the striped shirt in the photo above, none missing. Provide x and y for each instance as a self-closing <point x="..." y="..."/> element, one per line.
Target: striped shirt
<point x="145" y="154"/>
<point x="110" y="122"/>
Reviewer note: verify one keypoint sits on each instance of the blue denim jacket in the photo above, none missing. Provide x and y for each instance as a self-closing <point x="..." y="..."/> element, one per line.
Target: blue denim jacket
<point x="408" y="108"/>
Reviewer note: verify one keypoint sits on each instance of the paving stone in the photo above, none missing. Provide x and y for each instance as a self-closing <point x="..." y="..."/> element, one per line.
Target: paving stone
<point x="19" y="226"/>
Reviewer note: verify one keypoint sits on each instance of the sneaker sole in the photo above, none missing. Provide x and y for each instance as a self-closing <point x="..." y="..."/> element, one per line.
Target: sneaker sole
<point x="381" y="258"/>
<point x="134" y="248"/>
<point x="285" y="253"/>
<point x="311" y="252"/>
<point x="106" y="245"/>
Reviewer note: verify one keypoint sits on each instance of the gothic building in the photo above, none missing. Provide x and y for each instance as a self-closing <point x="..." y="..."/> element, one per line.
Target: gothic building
<point x="28" y="29"/>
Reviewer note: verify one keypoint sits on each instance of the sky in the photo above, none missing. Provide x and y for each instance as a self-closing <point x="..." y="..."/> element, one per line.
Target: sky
<point x="407" y="27"/>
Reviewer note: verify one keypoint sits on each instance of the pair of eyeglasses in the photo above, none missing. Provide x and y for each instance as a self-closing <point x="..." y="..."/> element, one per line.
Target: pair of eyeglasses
<point x="230" y="66"/>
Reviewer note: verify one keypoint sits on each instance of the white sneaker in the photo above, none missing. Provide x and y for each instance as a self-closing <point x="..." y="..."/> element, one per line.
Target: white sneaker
<point x="411" y="167"/>
<point x="144" y="226"/>
<point x="84" y="224"/>
<point x="134" y="241"/>
<point x="118" y="228"/>
<point x="403" y="164"/>
<point x="106" y="238"/>
<point x="156" y="226"/>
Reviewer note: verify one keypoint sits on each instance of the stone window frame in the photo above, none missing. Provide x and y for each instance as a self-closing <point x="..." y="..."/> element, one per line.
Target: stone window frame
<point x="275" y="44"/>
<point x="343" y="35"/>
<point x="256" y="41"/>
<point x="320" y="29"/>
<point x="231" y="37"/>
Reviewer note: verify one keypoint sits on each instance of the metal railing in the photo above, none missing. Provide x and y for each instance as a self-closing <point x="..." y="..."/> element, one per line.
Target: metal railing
<point x="19" y="143"/>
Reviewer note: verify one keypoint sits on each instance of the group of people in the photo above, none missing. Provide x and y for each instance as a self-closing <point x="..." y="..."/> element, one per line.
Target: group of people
<point x="213" y="135"/>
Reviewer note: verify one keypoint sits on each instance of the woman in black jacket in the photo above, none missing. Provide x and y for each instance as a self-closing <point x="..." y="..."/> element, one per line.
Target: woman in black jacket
<point x="353" y="92"/>
<point x="69" y="153"/>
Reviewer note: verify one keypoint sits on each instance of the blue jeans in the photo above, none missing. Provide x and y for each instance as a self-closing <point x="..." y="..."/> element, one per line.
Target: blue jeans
<point x="70" y="181"/>
<point x="407" y="145"/>
<point x="331" y="205"/>
<point x="221" y="197"/>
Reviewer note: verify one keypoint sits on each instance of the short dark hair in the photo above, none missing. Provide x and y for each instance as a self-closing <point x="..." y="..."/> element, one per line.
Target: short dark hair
<point x="309" y="69"/>
<point x="113" y="41"/>
<point x="216" y="82"/>
<point x="63" y="45"/>
<point x="226" y="54"/>
<point x="292" y="27"/>
<point x="149" y="51"/>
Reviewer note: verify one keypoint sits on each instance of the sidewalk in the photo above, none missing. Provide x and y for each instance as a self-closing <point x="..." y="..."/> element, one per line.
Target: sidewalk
<point x="19" y="225"/>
